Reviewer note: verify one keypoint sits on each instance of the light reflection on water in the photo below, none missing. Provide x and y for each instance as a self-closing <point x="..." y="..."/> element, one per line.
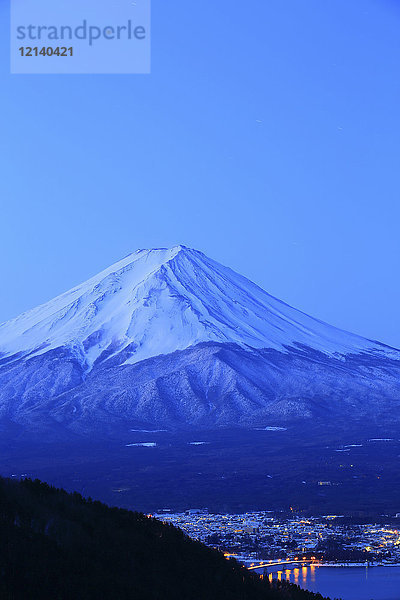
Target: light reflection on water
<point x="312" y="572"/>
<point x="348" y="583"/>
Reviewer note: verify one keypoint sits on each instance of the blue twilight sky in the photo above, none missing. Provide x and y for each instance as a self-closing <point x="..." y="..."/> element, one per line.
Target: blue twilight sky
<point x="267" y="135"/>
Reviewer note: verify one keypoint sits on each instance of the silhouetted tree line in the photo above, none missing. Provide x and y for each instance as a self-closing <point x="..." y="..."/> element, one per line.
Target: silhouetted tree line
<point x="60" y="546"/>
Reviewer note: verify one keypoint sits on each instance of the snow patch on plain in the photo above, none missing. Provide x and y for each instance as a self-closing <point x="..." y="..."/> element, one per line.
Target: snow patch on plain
<point x="198" y="443"/>
<point x="143" y="444"/>
<point x="271" y="428"/>
<point x="149" y="430"/>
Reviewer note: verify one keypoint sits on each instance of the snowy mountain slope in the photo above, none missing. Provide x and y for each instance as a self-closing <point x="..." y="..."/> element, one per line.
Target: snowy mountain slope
<point x="171" y="338"/>
<point x="155" y="302"/>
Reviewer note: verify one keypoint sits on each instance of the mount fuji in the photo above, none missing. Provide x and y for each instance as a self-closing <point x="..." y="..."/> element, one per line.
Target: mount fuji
<point x="171" y="338"/>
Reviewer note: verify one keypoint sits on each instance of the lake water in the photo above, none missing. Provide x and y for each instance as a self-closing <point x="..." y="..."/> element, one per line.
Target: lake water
<point x="349" y="583"/>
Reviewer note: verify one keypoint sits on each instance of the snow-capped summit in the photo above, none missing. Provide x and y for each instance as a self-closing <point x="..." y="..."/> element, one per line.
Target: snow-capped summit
<point x="154" y="302"/>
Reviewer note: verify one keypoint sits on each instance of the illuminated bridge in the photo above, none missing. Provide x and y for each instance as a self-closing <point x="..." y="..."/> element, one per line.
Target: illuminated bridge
<point x="282" y="563"/>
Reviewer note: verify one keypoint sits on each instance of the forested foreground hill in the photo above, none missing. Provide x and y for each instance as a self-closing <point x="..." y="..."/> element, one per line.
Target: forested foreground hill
<point x="61" y="546"/>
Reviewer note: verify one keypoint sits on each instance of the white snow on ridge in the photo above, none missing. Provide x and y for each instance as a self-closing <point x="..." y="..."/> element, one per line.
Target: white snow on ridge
<point x="158" y="301"/>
